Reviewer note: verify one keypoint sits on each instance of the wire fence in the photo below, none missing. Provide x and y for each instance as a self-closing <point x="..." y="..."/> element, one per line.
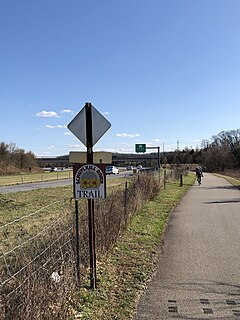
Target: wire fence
<point x="35" y="177"/>
<point x="38" y="255"/>
<point x="32" y="248"/>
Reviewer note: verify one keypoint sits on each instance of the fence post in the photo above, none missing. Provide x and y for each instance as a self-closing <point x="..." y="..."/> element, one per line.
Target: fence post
<point x="164" y="179"/>
<point x="181" y="180"/>
<point x="125" y="201"/>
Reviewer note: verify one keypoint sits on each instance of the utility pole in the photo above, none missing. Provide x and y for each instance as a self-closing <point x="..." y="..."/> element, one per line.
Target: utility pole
<point x="177" y="145"/>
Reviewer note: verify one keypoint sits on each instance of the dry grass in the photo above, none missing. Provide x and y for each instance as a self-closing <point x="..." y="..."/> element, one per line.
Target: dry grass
<point x="31" y="294"/>
<point x="34" y="177"/>
<point x="124" y="270"/>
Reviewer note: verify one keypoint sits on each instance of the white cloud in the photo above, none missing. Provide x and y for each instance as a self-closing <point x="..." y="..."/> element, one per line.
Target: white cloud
<point x="75" y="146"/>
<point x="47" y="114"/>
<point x="67" y="133"/>
<point x="67" y="111"/>
<point x="59" y="126"/>
<point x="127" y="135"/>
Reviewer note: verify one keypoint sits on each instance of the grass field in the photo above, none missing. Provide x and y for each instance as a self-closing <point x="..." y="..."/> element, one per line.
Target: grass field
<point x="17" y="204"/>
<point x="35" y="177"/>
<point x="125" y="269"/>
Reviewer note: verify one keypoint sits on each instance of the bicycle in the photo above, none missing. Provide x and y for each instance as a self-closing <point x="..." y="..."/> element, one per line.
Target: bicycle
<point x="199" y="179"/>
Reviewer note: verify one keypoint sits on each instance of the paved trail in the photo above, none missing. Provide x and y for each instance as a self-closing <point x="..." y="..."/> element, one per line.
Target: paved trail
<point x="198" y="273"/>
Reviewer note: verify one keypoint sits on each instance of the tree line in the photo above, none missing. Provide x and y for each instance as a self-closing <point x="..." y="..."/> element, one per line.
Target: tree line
<point x="222" y="152"/>
<point x="15" y="160"/>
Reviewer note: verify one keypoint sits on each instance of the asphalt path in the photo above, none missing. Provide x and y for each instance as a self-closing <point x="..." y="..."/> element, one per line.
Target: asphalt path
<point x="198" y="272"/>
<point x="47" y="184"/>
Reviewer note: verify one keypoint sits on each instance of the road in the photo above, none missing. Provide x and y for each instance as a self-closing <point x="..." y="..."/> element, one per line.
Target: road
<point x="47" y="184"/>
<point x="198" y="272"/>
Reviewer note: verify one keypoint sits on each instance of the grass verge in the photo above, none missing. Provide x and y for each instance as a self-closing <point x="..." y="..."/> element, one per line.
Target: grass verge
<point x="34" y="177"/>
<point x="17" y="204"/>
<point x="125" y="270"/>
<point x="235" y="182"/>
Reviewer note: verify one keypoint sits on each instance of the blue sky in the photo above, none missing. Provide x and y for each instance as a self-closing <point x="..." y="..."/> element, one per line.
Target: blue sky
<point x="160" y="71"/>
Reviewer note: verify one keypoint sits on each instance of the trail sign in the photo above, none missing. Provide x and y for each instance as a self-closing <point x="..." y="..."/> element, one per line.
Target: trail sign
<point x="88" y="126"/>
<point x="78" y="125"/>
<point x="140" y="147"/>
<point x="89" y="181"/>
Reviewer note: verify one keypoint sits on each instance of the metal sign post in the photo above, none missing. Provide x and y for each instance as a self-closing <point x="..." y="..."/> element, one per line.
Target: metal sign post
<point x="77" y="244"/>
<point x="93" y="126"/>
<point x="92" y="247"/>
<point x="142" y="148"/>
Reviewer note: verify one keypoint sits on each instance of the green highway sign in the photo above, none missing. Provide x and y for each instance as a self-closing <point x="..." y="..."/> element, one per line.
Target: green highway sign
<point x="140" y="147"/>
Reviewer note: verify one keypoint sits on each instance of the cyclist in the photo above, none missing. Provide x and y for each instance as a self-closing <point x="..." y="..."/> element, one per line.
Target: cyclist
<point x="199" y="174"/>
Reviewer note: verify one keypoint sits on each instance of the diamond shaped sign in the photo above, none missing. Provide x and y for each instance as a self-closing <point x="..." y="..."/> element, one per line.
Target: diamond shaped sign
<point x="78" y="125"/>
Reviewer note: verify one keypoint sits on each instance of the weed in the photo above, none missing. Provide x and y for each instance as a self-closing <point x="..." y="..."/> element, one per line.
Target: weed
<point x="39" y="240"/>
<point x="126" y="268"/>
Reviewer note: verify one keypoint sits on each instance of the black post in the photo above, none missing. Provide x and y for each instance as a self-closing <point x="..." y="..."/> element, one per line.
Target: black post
<point x="181" y="180"/>
<point x="159" y="177"/>
<point x="77" y="244"/>
<point x="92" y="251"/>
<point x="158" y="157"/>
<point x="94" y="246"/>
<point x="125" y="201"/>
<point x="164" y="179"/>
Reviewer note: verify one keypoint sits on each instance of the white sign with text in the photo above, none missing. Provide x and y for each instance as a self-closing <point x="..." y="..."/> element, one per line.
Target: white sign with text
<point x="89" y="182"/>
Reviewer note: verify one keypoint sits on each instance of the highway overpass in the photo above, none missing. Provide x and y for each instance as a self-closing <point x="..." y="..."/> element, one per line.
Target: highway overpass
<point x="117" y="159"/>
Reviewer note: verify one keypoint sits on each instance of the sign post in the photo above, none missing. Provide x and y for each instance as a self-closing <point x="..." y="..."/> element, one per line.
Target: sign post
<point x="143" y="148"/>
<point x="77" y="243"/>
<point x="94" y="125"/>
<point x="91" y="223"/>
